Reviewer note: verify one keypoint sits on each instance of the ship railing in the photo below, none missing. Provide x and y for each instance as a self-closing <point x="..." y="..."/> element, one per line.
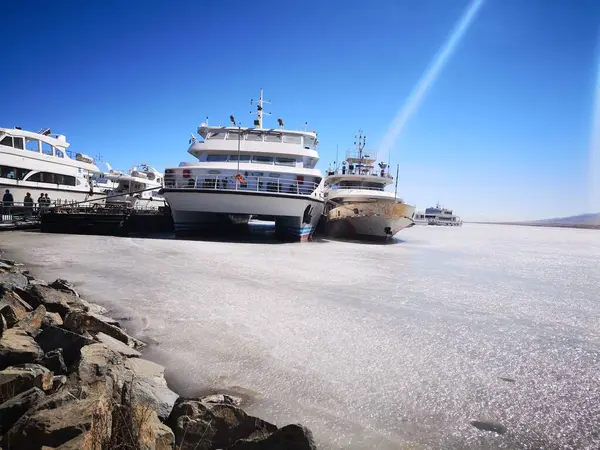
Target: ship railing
<point x="337" y="187"/>
<point x="247" y="184"/>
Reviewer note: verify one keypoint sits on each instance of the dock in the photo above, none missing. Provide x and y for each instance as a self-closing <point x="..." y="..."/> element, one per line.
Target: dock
<point x="108" y="221"/>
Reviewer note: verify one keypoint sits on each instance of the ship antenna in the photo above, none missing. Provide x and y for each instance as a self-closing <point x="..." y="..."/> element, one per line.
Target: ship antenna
<point x="258" y="123"/>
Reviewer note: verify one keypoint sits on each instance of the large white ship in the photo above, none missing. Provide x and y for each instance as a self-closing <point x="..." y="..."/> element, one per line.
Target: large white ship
<point x="357" y="202"/>
<point x="40" y="163"/>
<point x="438" y="215"/>
<point x="240" y="172"/>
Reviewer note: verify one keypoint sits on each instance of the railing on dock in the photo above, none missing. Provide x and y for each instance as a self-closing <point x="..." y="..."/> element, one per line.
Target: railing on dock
<point x="249" y="184"/>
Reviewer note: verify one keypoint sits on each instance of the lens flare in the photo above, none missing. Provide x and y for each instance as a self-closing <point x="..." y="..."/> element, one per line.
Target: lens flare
<point x="428" y="78"/>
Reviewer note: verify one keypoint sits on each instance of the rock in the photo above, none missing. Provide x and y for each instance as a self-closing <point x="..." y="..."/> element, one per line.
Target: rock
<point x="3" y="325"/>
<point x="54" y="361"/>
<point x="80" y="321"/>
<point x="13" y="280"/>
<point x="58" y="381"/>
<point x="204" y="426"/>
<point x="290" y="437"/>
<point x="222" y="398"/>
<point x="12" y="410"/>
<point x="118" y="346"/>
<point x="508" y="380"/>
<point x="53" y="338"/>
<point x="8" y="262"/>
<point x="151" y="433"/>
<point x="17" y="347"/>
<point x="32" y="321"/>
<point x="64" y="285"/>
<point x="148" y="385"/>
<point x="89" y="417"/>
<point x="52" y="320"/>
<point x="11" y="315"/>
<point x="52" y="299"/>
<point x="95" y="362"/>
<point x="17" y="379"/>
<point x="17" y="304"/>
<point x="489" y="426"/>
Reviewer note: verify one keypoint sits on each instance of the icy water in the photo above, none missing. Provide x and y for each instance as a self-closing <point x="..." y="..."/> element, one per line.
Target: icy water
<point x="371" y="346"/>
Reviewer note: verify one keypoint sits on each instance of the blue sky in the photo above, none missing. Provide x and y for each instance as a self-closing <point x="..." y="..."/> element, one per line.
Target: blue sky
<point x="503" y="133"/>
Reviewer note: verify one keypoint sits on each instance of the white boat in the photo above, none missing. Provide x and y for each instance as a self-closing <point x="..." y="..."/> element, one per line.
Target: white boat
<point x="357" y="202"/>
<point x="264" y="173"/>
<point x="138" y="188"/>
<point x="439" y="216"/>
<point x="40" y="163"/>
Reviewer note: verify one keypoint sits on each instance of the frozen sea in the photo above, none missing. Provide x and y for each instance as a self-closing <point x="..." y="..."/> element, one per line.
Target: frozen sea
<point x="371" y="346"/>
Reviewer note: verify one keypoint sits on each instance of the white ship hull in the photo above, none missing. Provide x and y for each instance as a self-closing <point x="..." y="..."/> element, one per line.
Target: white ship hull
<point x="57" y="195"/>
<point x="376" y="220"/>
<point x="195" y="210"/>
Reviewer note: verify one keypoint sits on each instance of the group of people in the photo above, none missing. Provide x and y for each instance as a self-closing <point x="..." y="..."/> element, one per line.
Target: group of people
<point x="8" y="202"/>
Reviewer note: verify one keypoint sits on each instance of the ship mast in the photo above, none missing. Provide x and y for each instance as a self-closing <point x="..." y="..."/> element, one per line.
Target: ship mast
<point x="258" y="122"/>
<point x="360" y="146"/>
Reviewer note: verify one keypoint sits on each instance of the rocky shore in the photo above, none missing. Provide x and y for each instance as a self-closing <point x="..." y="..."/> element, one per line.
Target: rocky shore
<point x="72" y="378"/>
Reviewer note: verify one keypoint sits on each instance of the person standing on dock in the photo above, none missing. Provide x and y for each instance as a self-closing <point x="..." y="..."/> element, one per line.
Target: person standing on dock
<point x="28" y="203"/>
<point x="47" y="200"/>
<point x="7" y="202"/>
<point x="40" y="202"/>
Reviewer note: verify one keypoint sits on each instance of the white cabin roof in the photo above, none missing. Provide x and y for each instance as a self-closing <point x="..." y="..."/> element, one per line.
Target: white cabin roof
<point x="337" y="178"/>
<point x="57" y="140"/>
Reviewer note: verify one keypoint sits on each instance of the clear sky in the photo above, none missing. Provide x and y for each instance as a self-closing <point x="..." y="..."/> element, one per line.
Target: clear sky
<point x="502" y="133"/>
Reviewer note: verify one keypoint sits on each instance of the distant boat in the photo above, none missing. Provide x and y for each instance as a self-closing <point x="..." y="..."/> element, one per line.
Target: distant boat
<point x="138" y="188"/>
<point x="439" y="216"/>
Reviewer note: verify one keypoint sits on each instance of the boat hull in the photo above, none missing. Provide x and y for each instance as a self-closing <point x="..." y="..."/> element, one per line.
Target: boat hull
<point x="378" y="220"/>
<point x="197" y="210"/>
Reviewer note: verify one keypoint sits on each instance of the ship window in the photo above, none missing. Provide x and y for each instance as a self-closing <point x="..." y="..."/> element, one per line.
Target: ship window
<point x="215" y="158"/>
<point x="8" y="141"/>
<point x="270" y="137"/>
<point x="309" y="142"/>
<point x="243" y="158"/>
<point x="233" y="135"/>
<point x="32" y="145"/>
<point x="254" y="136"/>
<point x="262" y="159"/>
<point x="285" y="162"/>
<point x="46" y="148"/>
<point x="292" y="139"/>
<point x="22" y="173"/>
<point x="217" y="135"/>
<point x="7" y="172"/>
<point x="59" y="153"/>
<point x="18" y="141"/>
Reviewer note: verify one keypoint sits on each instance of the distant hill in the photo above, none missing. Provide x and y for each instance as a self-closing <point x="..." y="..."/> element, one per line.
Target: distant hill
<point x="582" y="219"/>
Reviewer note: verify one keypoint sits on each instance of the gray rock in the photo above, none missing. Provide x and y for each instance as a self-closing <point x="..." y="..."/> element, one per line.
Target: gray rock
<point x="3" y="325"/>
<point x="52" y="299"/>
<point x="205" y="426"/>
<point x="96" y="361"/>
<point x="222" y="398"/>
<point x="118" y="346"/>
<point x="54" y="361"/>
<point x="148" y="385"/>
<point x="12" y="280"/>
<point x="80" y="321"/>
<point x="64" y="285"/>
<point x="11" y="315"/>
<point x="489" y="426"/>
<point x="17" y="379"/>
<point x="290" y="437"/>
<point x="17" y="347"/>
<point x="16" y="303"/>
<point x="53" y="338"/>
<point x="12" y="410"/>
<point x="58" y="381"/>
<point x="51" y="320"/>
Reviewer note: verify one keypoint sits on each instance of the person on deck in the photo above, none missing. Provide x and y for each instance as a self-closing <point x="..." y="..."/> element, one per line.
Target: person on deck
<point x="40" y="201"/>
<point x="7" y="202"/>
<point x="28" y="203"/>
<point x="47" y="200"/>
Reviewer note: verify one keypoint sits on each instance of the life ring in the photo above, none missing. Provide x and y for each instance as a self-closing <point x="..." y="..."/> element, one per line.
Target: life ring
<point x="240" y="179"/>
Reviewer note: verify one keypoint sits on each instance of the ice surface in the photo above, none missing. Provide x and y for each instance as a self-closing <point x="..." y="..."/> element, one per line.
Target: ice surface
<point x="371" y="346"/>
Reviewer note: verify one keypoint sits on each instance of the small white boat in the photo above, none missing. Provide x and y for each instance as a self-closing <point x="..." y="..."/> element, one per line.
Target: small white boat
<point x="438" y="216"/>
<point x="357" y="202"/>
<point x="138" y="188"/>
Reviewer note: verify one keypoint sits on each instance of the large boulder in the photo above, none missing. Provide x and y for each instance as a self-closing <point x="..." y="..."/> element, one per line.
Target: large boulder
<point x="3" y="325"/>
<point x="150" y="432"/>
<point x="64" y="285"/>
<point x="118" y="346"/>
<point x="32" y="321"/>
<point x="95" y="363"/>
<point x="81" y="321"/>
<point x="13" y="307"/>
<point x="148" y="385"/>
<point x="90" y="417"/>
<point x="290" y="437"/>
<point x="13" y="280"/>
<point x="12" y="410"/>
<point x="206" y="426"/>
<point x="17" y="379"/>
<point x="53" y="338"/>
<point x="17" y="347"/>
<point x="53" y="299"/>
